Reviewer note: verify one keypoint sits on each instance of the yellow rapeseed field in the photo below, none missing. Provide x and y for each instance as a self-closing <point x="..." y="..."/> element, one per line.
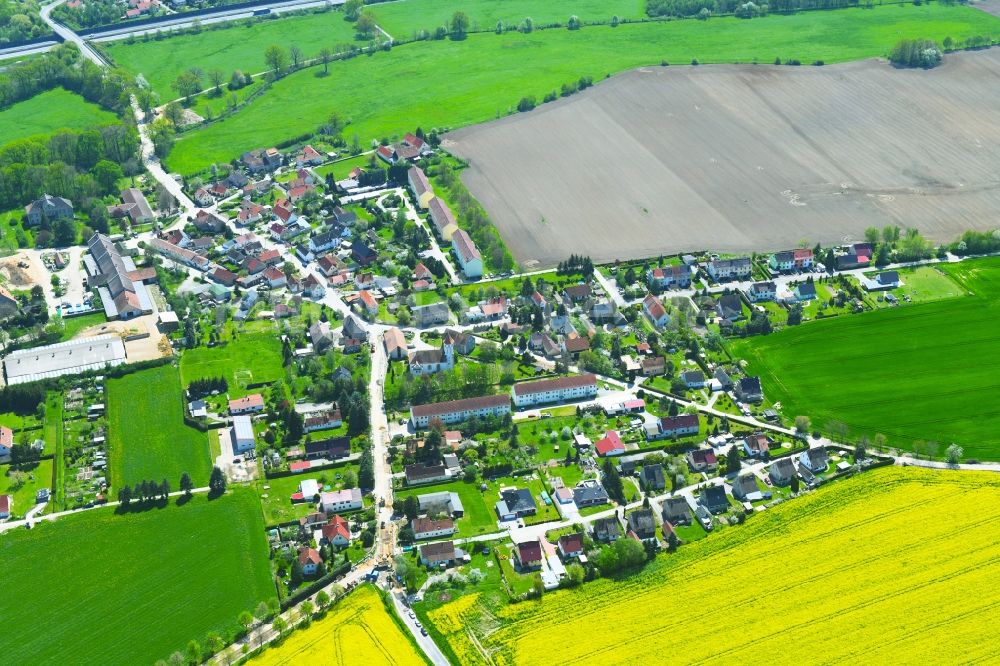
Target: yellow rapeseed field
<point x="893" y="566"/>
<point x="358" y="630"/>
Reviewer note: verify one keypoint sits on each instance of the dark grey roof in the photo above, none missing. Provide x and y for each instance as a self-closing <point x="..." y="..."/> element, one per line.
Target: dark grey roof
<point x="518" y="500"/>
<point x="590" y="494"/>
<point x="653" y="475"/>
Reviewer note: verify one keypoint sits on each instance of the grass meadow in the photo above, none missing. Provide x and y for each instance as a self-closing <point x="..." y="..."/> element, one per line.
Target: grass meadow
<point x="405" y="18"/>
<point x="449" y="84"/>
<point x="358" y="630"/>
<point x="239" y="46"/>
<point x="251" y="358"/>
<point x="916" y="372"/>
<point x="49" y="111"/>
<point x="146" y="432"/>
<point x="479" y="517"/>
<point x="102" y="588"/>
<point x="864" y="564"/>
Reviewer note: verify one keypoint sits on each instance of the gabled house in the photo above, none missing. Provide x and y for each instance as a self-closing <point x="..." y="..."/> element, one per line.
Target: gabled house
<point x="607" y="530"/>
<point x="48" y="207"/>
<point x="515" y="503"/>
<point x="207" y="222"/>
<point x="694" y="379"/>
<point x="437" y="555"/>
<point x="577" y="293"/>
<point x="442" y="218"/>
<point x="676" y="511"/>
<point x="642" y="524"/>
<point x="745" y="488"/>
<point x="420" y="186"/>
<point x="702" y="460"/>
<point x="467" y="253"/>
<point x="748" y="389"/>
<point x="791" y="260"/>
<point x="651" y="477"/>
<point x="571" y="546"/>
<point x="428" y="528"/>
<point x="309" y="560"/>
<point x="714" y="499"/>
<point x="434" y="314"/>
<point x="418" y="474"/>
<point x="362" y="254"/>
<point x="653" y="366"/>
<point x="590" y="493"/>
<point x="757" y="446"/>
<point x="804" y="291"/>
<point x="781" y="471"/>
<point x="675" y="426"/>
<point x="610" y="445"/>
<point x="729" y="307"/>
<point x="336" y="532"/>
<point x="308" y="156"/>
<point x="461" y="342"/>
<point x="762" y="291"/>
<point x="655" y="311"/>
<point x="430" y="361"/>
<point x="528" y="555"/>
<point x="395" y="343"/>
<point x="814" y="459"/>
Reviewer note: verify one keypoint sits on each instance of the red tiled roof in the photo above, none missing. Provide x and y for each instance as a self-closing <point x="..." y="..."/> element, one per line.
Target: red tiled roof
<point x="610" y="442"/>
<point x="529" y="551"/>
<point x="439" y="408"/>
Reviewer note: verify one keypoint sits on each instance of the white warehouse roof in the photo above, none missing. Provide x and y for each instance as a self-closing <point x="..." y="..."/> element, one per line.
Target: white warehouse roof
<point x="64" y="358"/>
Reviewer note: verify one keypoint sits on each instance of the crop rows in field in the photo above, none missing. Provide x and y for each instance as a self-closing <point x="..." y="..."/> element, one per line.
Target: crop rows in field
<point x="853" y="572"/>
<point x="102" y="588"/>
<point x="358" y="630"/>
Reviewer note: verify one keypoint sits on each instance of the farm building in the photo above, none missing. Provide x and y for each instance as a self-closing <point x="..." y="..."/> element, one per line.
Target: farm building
<point x="64" y="358"/>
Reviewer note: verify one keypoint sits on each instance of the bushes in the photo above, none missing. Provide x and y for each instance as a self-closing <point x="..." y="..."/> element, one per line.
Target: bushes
<point x="915" y="53"/>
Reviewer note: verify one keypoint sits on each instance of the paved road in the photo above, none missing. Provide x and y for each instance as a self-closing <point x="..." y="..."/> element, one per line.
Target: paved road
<point x="70" y="36"/>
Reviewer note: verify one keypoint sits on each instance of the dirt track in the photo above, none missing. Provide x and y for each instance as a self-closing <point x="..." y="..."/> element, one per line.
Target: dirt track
<point x="743" y="157"/>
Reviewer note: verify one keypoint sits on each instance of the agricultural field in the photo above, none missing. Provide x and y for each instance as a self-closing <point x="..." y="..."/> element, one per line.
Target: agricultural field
<point x="383" y="95"/>
<point x="918" y="373"/>
<point x="147" y="436"/>
<point x="404" y="19"/>
<point x="94" y="579"/>
<point x="892" y="568"/>
<point x="252" y="358"/>
<point x="233" y="47"/>
<point x="49" y="111"/>
<point x="358" y="630"/>
<point x="697" y="157"/>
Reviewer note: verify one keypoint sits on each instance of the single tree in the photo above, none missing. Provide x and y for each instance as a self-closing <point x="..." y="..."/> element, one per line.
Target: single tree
<point x="322" y="599"/>
<point x="954" y="454"/>
<point x="194" y="653"/>
<point x="186" y="484"/>
<point x="276" y="60"/>
<point x="325" y="55"/>
<point x="795" y="484"/>
<point x="296" y="53"/>
<point x="459" y="25"/>
<point x="216" y="76"/>
<point x="217" y="482"/>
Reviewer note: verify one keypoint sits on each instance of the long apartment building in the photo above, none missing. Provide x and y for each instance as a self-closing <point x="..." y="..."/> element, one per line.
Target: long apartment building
<point x="455" y="411"/>
<point x="560" y="389"/>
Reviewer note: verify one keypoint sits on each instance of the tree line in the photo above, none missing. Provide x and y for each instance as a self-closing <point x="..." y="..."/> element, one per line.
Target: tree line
<point x="63" y="67"/>
<point x="207" y="385"/>
<point x="704" y="8"/>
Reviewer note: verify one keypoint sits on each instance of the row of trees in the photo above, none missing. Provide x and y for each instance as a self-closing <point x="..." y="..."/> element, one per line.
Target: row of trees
<point x="63" y="67"/>
<point x="916" y="53"/>
<point x="205" y="386"/>
<point x="658" y="8"/>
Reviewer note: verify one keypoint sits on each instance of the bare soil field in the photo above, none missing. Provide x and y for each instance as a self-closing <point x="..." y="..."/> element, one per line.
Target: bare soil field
<point x="742" y="157"/>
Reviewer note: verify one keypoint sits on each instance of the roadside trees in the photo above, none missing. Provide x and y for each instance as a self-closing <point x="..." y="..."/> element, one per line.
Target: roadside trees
<point x="954" y="454"/>
<point x="277" y="60"/>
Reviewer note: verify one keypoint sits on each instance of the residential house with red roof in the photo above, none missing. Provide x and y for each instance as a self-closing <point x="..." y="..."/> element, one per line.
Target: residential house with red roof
<point x="655" y="311"/>
<point x="609" y="445"/>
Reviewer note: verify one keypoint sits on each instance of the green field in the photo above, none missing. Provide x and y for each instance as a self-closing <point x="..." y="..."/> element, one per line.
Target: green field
<point x="146" y="432"/>
<point x="448" y="84"/>
<point x="237" y="47"/>
<point x="48" y="111"/>
<point x="102" y="588"/>
<point x="402" y="19"/>
<point x="253" y="358"/>
<point x="917" y="372"/>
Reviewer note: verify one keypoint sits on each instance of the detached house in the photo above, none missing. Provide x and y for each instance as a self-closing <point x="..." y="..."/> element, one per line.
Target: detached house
<point x="676" y="511"/>
<point x="48" y="207"/>
<point x="437" y="554"/>
<point x="702" y="460"/>
<point x="781" y="471"/>
<point x="714" y="499"/>
<point x="814" y="459"/>
<point x="395" y="343"/>
<point x="607" y="530"/>
<point x="655" y="311"/>
<point x="528" y="555"/>
<point x="748" y="389"/>
<point x="336" y="532"/>
<point x="427" y="528"/>
<point x="757" y="446"/>
<point x="571" y="546"/>
<point x="642" y="524"/>
<point x="762" y="291"/>
<point x="467" y="253"/>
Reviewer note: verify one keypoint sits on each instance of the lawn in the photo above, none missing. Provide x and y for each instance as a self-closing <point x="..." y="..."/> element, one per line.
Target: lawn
<point x="72" y="326"/>
<point x="448" y="84"/>
<point x="278" y="507"/>
<point x="926" y="283"/>
<point x="96" y="580"/>
<point x="403" y="19"/>
<point x="865" y="560"/>
<point x="35" y="478"/>
<point x="49" y="111"/>
<point x="240" y="46"/>
<point x="360" y="629"/>
<point x="921" y="372"/>
<point x="479" y="517"/>
<point x="147" y="437"/>
<point x="252" y="358"/>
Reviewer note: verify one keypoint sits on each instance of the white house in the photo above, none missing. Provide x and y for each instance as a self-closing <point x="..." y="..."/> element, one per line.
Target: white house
<point x="247" y="405"/>
<point x="430" y="361"/>
<point x="241" y="434"/>
<point x="427" y="528"/>
<point x="654" y="309"/>
<point x="467" y="254"/>
<point x="560" y="389"/>
<point x="342" y="500"/>
<point x="762" y="291"/>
